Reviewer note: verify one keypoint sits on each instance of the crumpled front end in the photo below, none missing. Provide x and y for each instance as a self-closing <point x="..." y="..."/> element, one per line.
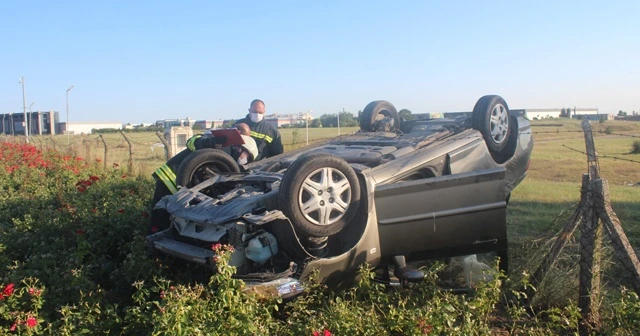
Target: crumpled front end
<point x="237" y="210"/>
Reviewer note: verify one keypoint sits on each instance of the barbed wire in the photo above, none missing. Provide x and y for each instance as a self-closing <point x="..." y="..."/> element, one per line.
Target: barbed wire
<point x="602" y="156"/>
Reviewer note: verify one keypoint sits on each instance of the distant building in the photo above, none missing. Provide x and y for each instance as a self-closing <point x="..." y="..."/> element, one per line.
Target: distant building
<point x="39" y="122"/>
<point x="86" y="127"/>
<point x="168" y="123"/>
<point x="286" y="119"/>
<point x="208" y="124"/>
<point x="535" y="114"/>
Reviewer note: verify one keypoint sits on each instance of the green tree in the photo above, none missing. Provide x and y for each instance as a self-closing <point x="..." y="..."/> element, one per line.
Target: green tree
<point x="315" y="123"/>
<point x="622" y="113"/>
<point x="328" y="120"/>
<point x="347" y="119"/>
<point x="405" y="114"/>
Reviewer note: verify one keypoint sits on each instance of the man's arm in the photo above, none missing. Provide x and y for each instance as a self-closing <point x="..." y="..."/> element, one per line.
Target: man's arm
<point x="276" y="147"/>
<point x="200" y="142"/>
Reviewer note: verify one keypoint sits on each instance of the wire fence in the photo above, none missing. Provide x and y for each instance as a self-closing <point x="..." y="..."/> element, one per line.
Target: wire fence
<point x="146" y="150"/>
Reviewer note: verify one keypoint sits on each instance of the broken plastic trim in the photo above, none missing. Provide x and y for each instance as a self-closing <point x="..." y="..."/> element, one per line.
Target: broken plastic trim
<point x="285" y="288"/>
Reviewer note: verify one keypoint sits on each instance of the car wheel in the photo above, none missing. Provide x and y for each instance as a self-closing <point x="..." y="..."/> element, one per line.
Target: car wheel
<point x="320" y="194"/>
<point x="491" y="118"/>
<point x="203" y="164"/>
<point x="375" y="112"/>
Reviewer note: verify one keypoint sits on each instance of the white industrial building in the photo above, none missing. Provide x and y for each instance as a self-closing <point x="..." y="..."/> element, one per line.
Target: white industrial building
<point x="86" y="127"/>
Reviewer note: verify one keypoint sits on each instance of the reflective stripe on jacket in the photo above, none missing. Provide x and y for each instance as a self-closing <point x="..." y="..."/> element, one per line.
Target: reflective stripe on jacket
<point x="266" y="138"/>
<point x="168" y="177"/>
<point x="191" y="143"/>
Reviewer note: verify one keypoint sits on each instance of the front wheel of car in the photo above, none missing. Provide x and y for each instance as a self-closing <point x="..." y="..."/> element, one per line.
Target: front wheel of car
<point x="491" y="118"/>
<point x="320" y="194"/>
<point x="203" y="164"/>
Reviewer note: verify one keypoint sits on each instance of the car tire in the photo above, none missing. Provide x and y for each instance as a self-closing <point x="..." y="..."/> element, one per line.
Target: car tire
<point x="319" y="206"/>
<point x="491" y="118"/>
<point x="377" y="110"/>
<point x="203" y="164"/>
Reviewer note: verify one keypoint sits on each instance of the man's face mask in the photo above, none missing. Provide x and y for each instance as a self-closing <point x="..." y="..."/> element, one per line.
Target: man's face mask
<point x="256" y="117"/>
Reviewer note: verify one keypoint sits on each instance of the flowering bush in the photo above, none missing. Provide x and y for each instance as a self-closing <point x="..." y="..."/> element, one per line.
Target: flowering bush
<point x="73" y="261"/>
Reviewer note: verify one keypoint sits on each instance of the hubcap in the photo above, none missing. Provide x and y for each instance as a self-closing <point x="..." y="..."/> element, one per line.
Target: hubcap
<point x="324" y="196"/>
<point x="499" y="123"/>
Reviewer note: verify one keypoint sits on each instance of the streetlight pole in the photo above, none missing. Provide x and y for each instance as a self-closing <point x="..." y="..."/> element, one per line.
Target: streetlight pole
<point x="67" y="126"/>
<point x="339" y="121"/>
<point x="307" y="120"/>
<point x="24" y="108"/>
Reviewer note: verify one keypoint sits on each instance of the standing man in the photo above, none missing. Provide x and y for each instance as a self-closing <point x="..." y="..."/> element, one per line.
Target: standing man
<point x="267" y="136"/>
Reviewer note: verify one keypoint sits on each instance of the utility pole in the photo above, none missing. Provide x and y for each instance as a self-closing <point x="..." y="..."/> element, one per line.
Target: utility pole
<point x="339" y="121"/>
<point x="67" y="126"/>
<point x="307" y="121"/>
<point x="24" y="108"/>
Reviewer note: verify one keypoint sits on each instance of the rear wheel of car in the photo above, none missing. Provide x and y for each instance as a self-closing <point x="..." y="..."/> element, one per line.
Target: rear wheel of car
<point x="376" y="111"/>
<point x="491" y="118"/>
<point x="203" y="164"/>
<point x="320" y="194"/>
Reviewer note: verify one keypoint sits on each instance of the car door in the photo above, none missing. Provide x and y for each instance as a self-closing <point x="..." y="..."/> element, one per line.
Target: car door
<point x="447" y="215"/>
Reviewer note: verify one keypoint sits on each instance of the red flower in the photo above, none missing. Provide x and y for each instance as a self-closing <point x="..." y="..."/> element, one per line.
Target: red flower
<point x="324" y="333"/>
<point x="216" y="246"/>
<point x="31" y="322"/>
<point x="8" y="290"/>
<point x="34" y="291"/>
<point x="80" y="231"/>
<point x="124" y="176"/>
<point x="121" y="210"/>
<point x="94" y="178"/>
<point x="13" y="327"/>
<point x="82" y="189"/>
<point x="154" y="229"/>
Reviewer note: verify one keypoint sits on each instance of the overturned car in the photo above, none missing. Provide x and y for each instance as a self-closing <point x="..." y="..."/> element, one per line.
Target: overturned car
<point x="394" y="192"/>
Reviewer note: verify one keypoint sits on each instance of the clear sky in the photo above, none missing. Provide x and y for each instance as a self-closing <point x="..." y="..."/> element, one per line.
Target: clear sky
<point x="139" y="61"/>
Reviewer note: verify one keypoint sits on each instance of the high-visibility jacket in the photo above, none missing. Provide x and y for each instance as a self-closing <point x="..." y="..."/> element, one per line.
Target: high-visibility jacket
<point x="267" y="137"/>
<point x="167" y="172"/>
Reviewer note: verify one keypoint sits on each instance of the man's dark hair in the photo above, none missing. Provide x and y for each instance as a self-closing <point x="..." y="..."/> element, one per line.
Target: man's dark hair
<point x="256" y="101"/>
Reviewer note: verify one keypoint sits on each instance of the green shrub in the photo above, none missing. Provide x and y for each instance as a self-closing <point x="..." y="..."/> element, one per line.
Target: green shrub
<point x="73" y="262"/>
<point x="635" y="147"/>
